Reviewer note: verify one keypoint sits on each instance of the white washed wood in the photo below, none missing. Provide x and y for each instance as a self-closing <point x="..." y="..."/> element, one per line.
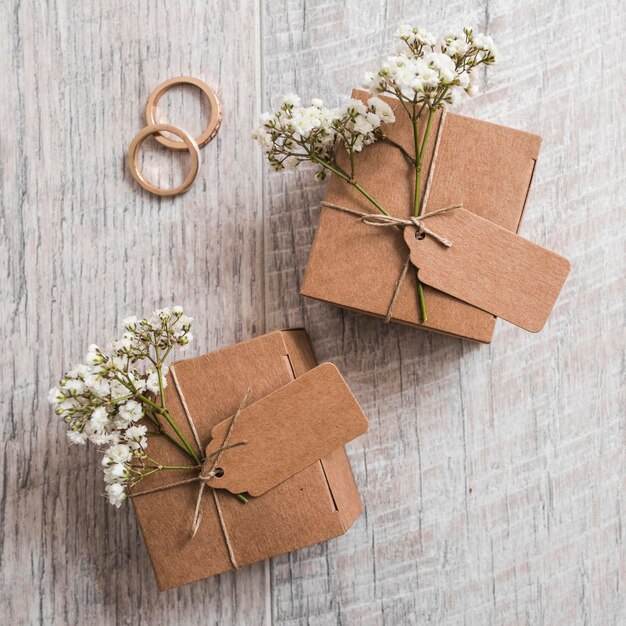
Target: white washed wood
<point x="86" y="246"/>
<point x="493" y="476"/>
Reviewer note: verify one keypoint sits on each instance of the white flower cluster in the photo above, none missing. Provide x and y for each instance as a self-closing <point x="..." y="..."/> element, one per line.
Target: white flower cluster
<point x="293" y="133"/>
<point x="103" y="400"/>
<point x="430" y="72"/>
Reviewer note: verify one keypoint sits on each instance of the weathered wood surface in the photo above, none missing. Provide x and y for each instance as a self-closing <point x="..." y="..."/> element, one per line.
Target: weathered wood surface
<point x="493" y="476"/>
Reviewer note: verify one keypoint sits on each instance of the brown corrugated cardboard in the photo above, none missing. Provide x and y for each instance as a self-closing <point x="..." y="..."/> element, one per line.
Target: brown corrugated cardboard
<point x="315" y="504"/>
<point x="485" y="167"/>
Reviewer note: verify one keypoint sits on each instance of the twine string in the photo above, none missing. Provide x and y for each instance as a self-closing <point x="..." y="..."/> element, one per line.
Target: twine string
<point x="186" y="409"/>
<point x="379" y="219"/>
<point x="203" y="478"/>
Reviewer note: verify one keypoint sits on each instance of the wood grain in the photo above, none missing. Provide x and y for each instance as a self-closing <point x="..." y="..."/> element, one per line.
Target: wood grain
<point x="87" y="246"/>
<point x="493" y="476"/>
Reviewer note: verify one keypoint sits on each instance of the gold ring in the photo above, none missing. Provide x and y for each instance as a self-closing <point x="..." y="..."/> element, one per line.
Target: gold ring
<point x="216" y="114"/>
<point x="187" y="142"/>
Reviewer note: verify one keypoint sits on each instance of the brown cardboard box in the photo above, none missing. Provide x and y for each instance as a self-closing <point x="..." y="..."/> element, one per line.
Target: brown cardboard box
<point x="319" y="501"/>
<point x="485" y="167"/>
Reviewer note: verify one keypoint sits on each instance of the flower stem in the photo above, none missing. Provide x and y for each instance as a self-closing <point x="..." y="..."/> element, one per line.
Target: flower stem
<point x="175" y="441"/>
<point x="366" y="195"/>
<point x="172" y="467"/>
<point x="399" y="147"/>
<point x="418" y="167"/>
<point x="420" y="151"/>
<point x="336" y="169"/>
<point x="172" y="423"/>
<point x="158" y="367"/>
<point x="165" y="413"/>
<point x="422" y="302"/>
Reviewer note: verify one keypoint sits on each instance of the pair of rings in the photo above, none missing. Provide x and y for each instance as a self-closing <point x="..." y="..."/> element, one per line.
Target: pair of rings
<point x="187" y="142"/>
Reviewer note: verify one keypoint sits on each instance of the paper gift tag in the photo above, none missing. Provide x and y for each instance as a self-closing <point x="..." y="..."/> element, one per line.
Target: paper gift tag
<point x="489" y="267"/>
<point x="287" y="431"/>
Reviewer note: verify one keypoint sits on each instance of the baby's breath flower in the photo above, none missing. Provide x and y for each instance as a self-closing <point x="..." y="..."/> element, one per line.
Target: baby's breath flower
<point x="290" y="100"/>
<point x="130" y="323"/>
<point x="184" y="340"/>
<point x="74" y="386"/>
<point x="116" y="473"/>
<point x="415" y="37"/>
<point x="55" y="396"/>
<point x="152" y="382"/>
<point x="382" y="109"/>
<point x="103" y="400"/>
<point x="77" y="437"/>
<point x="94" y="355"/>
<point x="294" y="134"/>
<point x="116" y="494"/>
<point x="118" y="453"/>
<point x="432" y="73"/>
<point x="135" y="437"/>
<point x="131" y="411"/>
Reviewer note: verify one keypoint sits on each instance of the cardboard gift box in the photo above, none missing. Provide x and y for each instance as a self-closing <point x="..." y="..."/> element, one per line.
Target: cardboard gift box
<point x="288" y="458"/>
<point x="486" y="168"/>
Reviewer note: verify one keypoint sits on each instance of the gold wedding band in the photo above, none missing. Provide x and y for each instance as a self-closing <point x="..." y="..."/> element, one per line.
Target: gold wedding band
<point x="214" y="122"/>
<point x="187" y="142"/>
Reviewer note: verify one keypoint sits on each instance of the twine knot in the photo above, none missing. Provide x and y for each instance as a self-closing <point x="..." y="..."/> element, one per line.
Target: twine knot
<point x="210" y="469"/>
<point x="380" y="219"/>
<point x="215" y="471"/>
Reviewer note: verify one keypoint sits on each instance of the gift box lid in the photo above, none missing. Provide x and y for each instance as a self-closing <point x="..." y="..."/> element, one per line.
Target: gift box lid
<point x="316" y="503"/>
<point x="486" y="167"/>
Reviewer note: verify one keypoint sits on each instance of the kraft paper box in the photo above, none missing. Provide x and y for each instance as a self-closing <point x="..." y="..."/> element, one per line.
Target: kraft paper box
<point x="485" y="167"/>
<point x="295" y="474"/>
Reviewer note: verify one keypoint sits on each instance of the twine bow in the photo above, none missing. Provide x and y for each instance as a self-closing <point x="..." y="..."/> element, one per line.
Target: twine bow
<point x="379" y="219"/>
<point x="206" y="472"/>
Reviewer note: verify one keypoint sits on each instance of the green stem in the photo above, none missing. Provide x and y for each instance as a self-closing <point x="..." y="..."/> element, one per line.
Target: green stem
<point x="422" y="302"/>
<point x="158" y="367"/>
<point x="334" y="168"/>
<point x="420" y="152"/>
<point x="366" y="195"/>
<point x="345" y="176"/>
<point x="399" y="147"/>
<point x="172" y="467"/>
<point x="172" y="423"/>
<point x="185" y="443"/>
<point x="351" y="162"/>
<point x="418" y="167"/>
<point x="175" y="441"/>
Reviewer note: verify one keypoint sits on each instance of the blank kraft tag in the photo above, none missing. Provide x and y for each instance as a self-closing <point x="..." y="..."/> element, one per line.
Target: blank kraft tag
<point x="489" y="267"/>
<point x="287" y="431"/>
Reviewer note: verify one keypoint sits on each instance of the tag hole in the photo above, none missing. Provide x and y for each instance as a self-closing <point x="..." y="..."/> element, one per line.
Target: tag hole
<point x="419" y="235"/>
<point x="219" y="472"/>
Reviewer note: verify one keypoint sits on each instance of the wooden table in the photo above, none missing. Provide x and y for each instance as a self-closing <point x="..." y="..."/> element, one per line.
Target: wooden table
<point x="492" y="476"/>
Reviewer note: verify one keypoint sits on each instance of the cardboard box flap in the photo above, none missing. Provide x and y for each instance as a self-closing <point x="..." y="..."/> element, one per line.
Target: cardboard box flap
<point x="283" y="433"/>
<point x="485" y="167"/>
<point x="315" y="504"/>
